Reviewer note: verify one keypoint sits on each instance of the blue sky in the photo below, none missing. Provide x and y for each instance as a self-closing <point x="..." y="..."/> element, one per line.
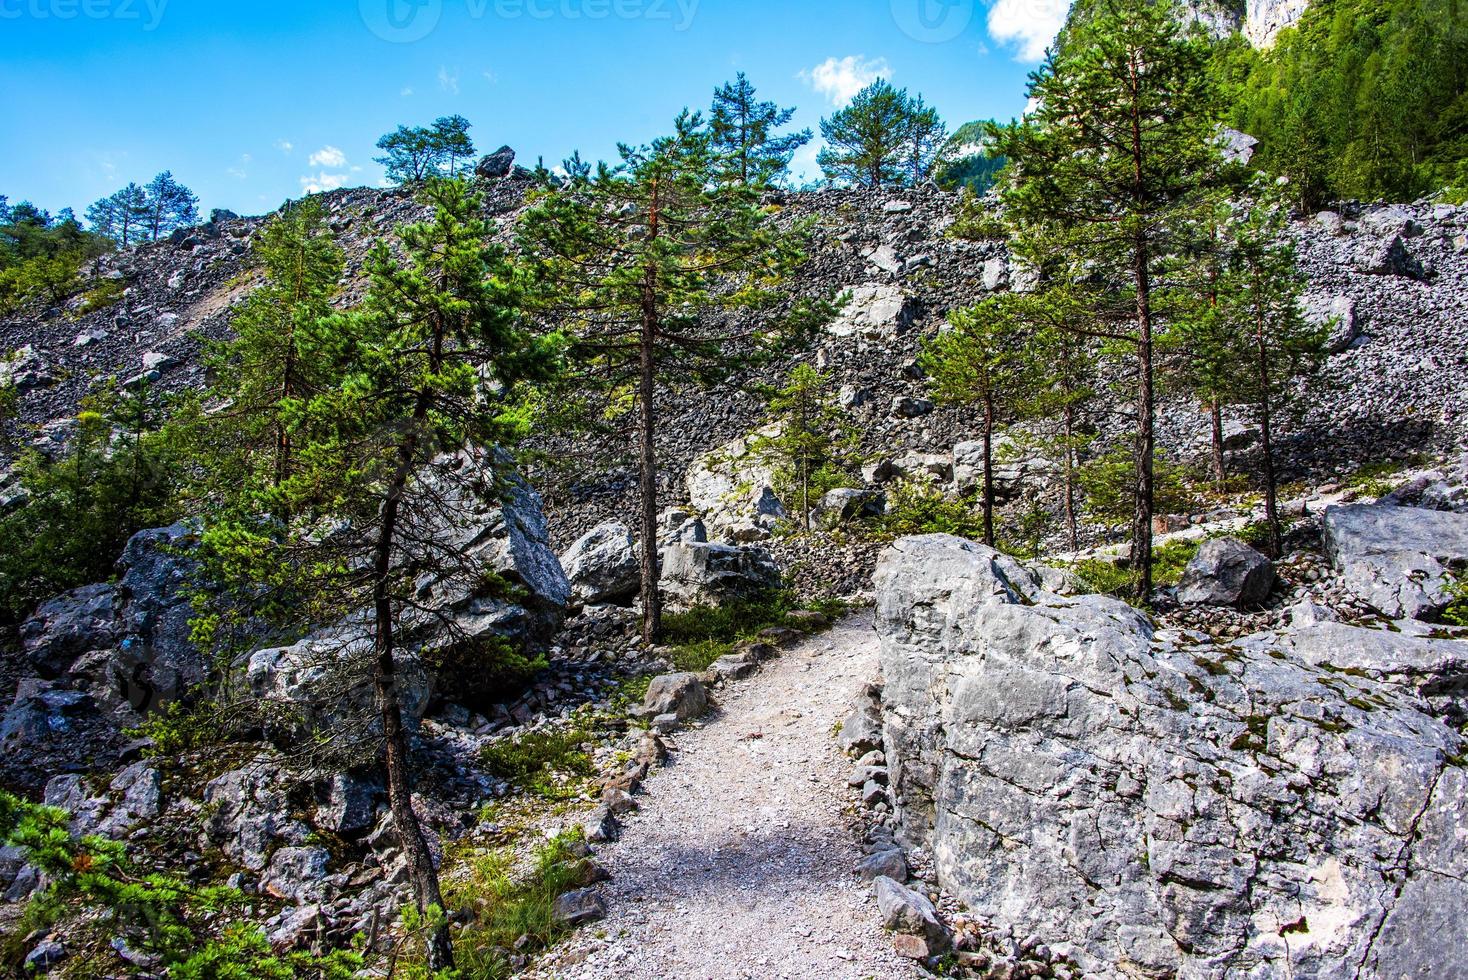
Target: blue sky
<point x="251" y="103"/>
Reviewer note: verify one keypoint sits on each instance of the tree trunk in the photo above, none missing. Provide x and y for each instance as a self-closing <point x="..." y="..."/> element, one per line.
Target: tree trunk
<point x="385" y="687"/>
<point x="1220" y="473"/>
<point x="1146" y="434"/>
<point x="805" y="491"/>
<point x="652" y="610"/>
<point x="988" y="471"/>
<point x="1070" y="479"/>
<point x="1266" y="436"/>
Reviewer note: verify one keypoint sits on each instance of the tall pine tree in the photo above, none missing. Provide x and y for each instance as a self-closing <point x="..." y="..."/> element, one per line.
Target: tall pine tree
<point x="635" y="259"/>
<point x="742" y="131"/>
<point x="1103" y="179"/>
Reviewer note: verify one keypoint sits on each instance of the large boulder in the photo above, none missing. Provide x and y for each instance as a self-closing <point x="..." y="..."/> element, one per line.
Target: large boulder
<point x="712" y="574"/>
<point x="875" y="312"/>
<point x="496" y="581"/>
<point x="493" y="166"/>
<point x="733" y="488"/>
<point x="70" y="625"/>
<point x="1162" y="805"/>
<point x="156" y="661"/>
<point x="603" y="566"/>
<point x="1226" y="572"/>
<point x="846" y="505"/>
<point x="1396" y="559"/>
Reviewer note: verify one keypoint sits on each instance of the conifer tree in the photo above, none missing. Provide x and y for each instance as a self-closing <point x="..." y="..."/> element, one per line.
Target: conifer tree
<point x="812" y="443"/>
<point x="1260" y="297"/>
<point x="1102" y="180"/>
<point x="634" y="259"/>
<point x="121" y="216"/>
<point x="168" y="205"/>
<point x="869" y="139"/>
<point x="428" y="367"/>
<point x="926" y="135"/>
<point x="742" y="131"/>
<point x="266" y="374"/>
<point x="986" y="359"/>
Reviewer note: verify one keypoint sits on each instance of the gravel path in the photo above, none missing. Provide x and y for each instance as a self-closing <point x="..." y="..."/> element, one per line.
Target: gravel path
<point x="739" y="863"/>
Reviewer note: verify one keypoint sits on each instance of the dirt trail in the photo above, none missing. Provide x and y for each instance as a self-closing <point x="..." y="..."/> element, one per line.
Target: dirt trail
<point x="739" y="863"/>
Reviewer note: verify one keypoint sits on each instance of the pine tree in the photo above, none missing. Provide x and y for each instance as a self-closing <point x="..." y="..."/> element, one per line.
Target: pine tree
<point x="742" y="129"/>
<point x="1260" y="297"/>
<point x="1102" y="180"/>
<point x="428" y="367"/>
<point x="415" y="154"/>
<point x="167" y="205"/>
<point x="987" y="359"/>
<point x="926" y="136"/>
<point x="122" y="216"/>
<point x="869" y="139"/>
<point x="269" y="371"/>
<point x="812" y="444"/>
<point x="634" y="259"/>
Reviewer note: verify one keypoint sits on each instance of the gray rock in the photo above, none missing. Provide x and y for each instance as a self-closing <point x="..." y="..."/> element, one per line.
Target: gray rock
<point x="1339" y="312"/>
<point x="603" y="565"/>
<point x="601" y="825"/>
<point x="295" y="874"/>
<point x="907" y="407"/>
<point x="845" y="506"/>
<point x="579" y="907"/>
<point x="875" y="312"/>
<point x="247" y="813"/>
<point x="906" y="911"/>
<point x="861" y="730"/>
<point x="1396" y="558"/>
<point x="348" y="804"/>
<point x="883" y="864"/>
<point x="70" y="625"/>
<point x="711" y="574"/>
<point x="47" y="955"/>
<point x="497" y="164"/>
<point x="682" y="695"/>
<point x="1226" y="572"/>
<point x="1389" y="258"/>
<point x="1155" y="798"/>
<point x="156" y="661"/>
<point x="886" y="258"/>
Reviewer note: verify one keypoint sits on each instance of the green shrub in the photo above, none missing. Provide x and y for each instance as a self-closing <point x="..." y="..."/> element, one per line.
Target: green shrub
<point x="105" y="293"/>
<point x="82" y="509"/>
<point x="702" y="635"/>
<point x="186" y="926"/>
<point x="1457" y="612"/>
<point x="533" y="760"/>
<point x="510" y="914"/>
<point x="181" y="728"/>
<point x="1102" y="577"/>
<point x="917" y="507"/>
<point x="1109" y="484"/>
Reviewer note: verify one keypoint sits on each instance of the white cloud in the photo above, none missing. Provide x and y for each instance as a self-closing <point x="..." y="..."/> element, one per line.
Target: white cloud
<point x="839" y="79"/>
<point x="323" y="181"/>
<point x="803" y="166"/>
<point x="491" y="78"/>
<point x="328" y="156"/>
<point x="448" y="80"/>
<point x="1027" y="25"/>
<point x="407" y="92"/>
<point x="241" y="171"/>
<point x="284" y="146"/>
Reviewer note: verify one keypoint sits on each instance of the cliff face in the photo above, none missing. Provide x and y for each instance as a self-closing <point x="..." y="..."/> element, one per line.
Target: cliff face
<point x="1266" y="18"/>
